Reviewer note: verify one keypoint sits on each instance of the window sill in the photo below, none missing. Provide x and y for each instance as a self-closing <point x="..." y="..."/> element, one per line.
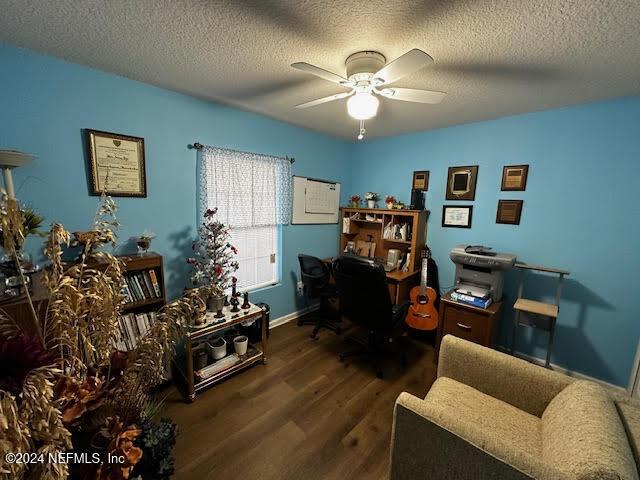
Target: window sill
<point x="263" y="288"/>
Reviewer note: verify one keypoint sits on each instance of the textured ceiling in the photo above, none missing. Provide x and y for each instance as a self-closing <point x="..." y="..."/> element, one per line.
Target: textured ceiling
<point x="493" y="57"/>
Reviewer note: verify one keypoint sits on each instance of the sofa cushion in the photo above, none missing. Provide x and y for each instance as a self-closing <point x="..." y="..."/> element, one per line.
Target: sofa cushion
<point x="496" y="427"/>
<point x="629" y="411"/>
<point x="582" y="435"/>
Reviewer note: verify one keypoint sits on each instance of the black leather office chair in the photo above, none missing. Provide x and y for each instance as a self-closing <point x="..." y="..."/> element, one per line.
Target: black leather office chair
<point x="365" y="300"/>
<point x="315" y="276"/>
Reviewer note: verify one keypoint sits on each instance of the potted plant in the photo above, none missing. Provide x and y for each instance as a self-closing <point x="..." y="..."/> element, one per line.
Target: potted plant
<point x="143" y="242"/>
<point x="355" y="201"/>
<point x="64" y="386"/>
<point x="213" y="260"/>
<point x="372" y="198"/>
<point x="390" y="200"/>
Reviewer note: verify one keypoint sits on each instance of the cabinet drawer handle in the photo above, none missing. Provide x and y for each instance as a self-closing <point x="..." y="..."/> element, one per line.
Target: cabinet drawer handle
<point x="463" y="326"/>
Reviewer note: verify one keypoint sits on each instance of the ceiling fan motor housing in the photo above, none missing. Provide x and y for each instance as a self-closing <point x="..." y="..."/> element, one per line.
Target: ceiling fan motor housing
<point x="362" y="65"/>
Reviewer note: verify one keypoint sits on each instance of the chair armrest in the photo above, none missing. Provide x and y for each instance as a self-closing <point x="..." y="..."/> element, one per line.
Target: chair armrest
<point x="517" y="382"/>
<point x="421" y="448"/>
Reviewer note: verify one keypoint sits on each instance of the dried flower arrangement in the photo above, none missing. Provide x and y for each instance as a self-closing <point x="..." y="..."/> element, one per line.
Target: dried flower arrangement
<point x="64" y="385"/>
<point x="355" y="200"/>
<point x="213" y="257"/>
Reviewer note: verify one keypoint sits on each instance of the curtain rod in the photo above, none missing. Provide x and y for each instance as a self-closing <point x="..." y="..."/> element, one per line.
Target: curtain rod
<point x="199" y="146"/>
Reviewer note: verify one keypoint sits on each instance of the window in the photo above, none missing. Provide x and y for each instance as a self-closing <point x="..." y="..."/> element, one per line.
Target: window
<point x="253" y="196"/>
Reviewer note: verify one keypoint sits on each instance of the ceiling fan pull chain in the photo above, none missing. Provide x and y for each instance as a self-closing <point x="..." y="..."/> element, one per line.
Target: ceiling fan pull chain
<point x="362" y="130"/>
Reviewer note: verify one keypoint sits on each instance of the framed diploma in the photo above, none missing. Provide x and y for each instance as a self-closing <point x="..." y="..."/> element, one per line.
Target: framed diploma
<point x="514" y="177"/>
<point x="509" y="211"/>
<point x="457" y="216"/>
<point x="116" y="164"/>
<point x="420" y="180"/>
<point x="461" y="183"/>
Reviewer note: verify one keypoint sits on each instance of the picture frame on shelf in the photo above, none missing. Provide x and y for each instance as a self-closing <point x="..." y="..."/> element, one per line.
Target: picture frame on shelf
<point x="116" y="164"/>
<point x="420" y="180"/>
<point x="457" y="216"/>
<point x="461" y="183"/>
<point x="514" y="178"/>
<point x="509" y="211"/>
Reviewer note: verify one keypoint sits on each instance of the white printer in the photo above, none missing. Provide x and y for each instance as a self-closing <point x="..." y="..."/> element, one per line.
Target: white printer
<point x="479" y="271"/>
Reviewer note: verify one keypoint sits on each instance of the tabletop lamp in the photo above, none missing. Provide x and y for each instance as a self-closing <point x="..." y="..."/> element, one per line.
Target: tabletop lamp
<point x="10" y="159"/>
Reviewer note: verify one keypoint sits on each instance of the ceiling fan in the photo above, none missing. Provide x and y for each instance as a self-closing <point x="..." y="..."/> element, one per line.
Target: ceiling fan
<point x="367" y="76"/>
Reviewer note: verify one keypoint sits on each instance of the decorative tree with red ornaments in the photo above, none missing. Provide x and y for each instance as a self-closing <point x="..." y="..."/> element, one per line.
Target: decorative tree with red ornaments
<point x="213" y="257"/>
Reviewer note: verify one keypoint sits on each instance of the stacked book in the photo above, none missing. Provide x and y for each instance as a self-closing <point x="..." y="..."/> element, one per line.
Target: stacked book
<point x="133" y="326"/>
<point x="141" y="285"/>
<point x="471" y="300"/>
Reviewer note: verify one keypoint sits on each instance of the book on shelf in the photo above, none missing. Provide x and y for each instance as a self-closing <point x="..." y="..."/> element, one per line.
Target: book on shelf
<point x="132" y="328"/>
<point x="471" y="300"/>
<point x="141" y="286"/>
<point x="147" y="281"/>
<point x="155" y="283"/>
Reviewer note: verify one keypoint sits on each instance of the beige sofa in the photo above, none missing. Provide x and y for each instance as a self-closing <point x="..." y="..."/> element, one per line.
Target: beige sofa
<point x="493" y="416"/>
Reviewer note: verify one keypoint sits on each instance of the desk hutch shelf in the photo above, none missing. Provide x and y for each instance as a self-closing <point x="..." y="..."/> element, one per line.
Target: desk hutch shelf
<point x="363" y="222"/>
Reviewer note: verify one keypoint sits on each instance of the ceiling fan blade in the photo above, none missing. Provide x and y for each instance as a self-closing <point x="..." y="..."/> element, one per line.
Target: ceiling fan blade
<point x="413" y="95"/>
<point x="322" y="73"/>
<point x="404" y="65"/>
<point x="330" y="98"/>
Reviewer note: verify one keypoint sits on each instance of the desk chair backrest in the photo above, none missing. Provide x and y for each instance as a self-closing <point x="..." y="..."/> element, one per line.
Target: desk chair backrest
<point x="315" y="275"/>
<point x="363" y="292"/>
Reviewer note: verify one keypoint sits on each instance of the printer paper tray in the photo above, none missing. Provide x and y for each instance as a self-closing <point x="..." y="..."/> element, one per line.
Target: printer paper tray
<point x="473" y="290"/>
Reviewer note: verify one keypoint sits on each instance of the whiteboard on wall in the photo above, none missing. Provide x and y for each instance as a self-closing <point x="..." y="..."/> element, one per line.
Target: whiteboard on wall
<point x="315" y="201"/>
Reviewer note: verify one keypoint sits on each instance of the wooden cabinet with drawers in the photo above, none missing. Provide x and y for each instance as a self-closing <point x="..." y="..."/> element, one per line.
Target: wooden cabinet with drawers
<point x="477" y="325"/>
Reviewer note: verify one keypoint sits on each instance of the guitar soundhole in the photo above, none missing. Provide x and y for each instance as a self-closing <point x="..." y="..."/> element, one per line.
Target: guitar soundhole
<point x="422" y="299"/>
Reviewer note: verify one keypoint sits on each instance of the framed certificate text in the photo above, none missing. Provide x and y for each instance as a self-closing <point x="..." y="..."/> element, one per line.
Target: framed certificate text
<point x="116" y="164"/>
<point x="457" y="216"/>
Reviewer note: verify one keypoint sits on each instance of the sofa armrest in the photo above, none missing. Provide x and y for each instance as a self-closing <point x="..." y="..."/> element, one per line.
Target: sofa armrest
<point x="421" y="448"/>
<point x="517" y="382"/>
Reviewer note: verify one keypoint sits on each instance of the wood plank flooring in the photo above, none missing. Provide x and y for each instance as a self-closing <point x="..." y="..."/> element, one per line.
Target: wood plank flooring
<point x="304" y="415"/>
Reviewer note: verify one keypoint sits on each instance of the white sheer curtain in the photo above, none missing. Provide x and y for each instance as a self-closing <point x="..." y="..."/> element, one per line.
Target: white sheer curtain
<point x="252" y="193"/>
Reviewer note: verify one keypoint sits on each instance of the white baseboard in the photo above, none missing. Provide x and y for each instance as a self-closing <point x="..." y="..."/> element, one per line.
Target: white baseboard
<point x="557" y="368"/>
<point x="292" y="316"/>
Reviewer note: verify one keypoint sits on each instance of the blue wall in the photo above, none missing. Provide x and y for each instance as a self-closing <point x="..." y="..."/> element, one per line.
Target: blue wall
<point x="580" y="207"/>
<point x="580" y="213"/>
<point x="47" y="102"/>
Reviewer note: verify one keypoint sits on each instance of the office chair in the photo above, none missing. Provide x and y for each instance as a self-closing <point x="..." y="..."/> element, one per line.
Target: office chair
<point x="365" y="300"/>
<point x="316" y="277"/>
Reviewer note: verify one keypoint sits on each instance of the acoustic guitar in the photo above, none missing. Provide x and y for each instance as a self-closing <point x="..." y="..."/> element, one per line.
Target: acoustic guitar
<point x="422" y="313"/>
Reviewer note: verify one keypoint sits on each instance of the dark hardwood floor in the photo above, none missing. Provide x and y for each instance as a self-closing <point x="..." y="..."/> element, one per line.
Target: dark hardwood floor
<point x="304" y="415"/>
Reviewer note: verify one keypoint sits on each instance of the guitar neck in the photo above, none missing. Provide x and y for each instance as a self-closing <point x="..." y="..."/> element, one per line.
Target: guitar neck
<point x="424" y="276"/>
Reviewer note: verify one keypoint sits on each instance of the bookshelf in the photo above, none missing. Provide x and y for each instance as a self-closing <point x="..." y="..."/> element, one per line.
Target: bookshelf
<point x="145" y="293"/>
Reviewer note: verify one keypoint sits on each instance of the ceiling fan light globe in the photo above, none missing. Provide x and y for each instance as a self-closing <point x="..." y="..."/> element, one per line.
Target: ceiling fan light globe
<point x="362" y="106"/>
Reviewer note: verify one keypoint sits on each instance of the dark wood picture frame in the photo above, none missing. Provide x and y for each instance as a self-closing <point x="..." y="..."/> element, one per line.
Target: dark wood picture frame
<point x="461" y="183"/>
<point x="444" y="210"/>
<point x="507" y="185"/>
<point x="93" y="167"/>
<point x="418" y="183"/>
<point x="509" y="211"/>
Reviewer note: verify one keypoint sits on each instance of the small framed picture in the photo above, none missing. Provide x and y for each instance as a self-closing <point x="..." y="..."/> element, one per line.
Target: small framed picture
<point x="509" y="211"/>
<point x="514" y="178"/>
<point x="420" y="180"/>
<point x="461" y="183"/>
<point x="116" y="164"/>
<point x="457" y="216"/>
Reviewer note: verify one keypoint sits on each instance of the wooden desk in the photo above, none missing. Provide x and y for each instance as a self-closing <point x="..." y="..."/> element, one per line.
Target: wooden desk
<point x="478" y="325"/>
<point x="399" y="283"/>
